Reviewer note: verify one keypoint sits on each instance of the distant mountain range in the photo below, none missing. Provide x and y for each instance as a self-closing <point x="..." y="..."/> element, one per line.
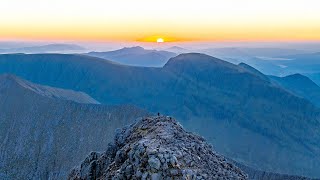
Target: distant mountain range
<point x="177" y="50"/>
<point x="50" y="48"/>
<point x="267" y="60"/>
<point x="239" y="52"/>
<point x="306" y="64"/>
<point x="45" y="132"/>
<point x="300" y="63"/>
<point x="271" y="61"/>
<point x="246" y="117"/>
<point x="136" y="56"/>
<point x="296" y="84"/>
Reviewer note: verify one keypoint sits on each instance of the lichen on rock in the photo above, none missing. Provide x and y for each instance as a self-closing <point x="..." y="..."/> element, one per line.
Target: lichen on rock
<point x="156" y="148"/>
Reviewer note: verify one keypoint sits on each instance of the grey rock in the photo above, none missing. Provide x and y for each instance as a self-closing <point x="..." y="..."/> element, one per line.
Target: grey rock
<point x="156" y="176"/>
<point x="144" y="175"/>
<point x="154" y="163"/>
<point x="147" y="150"/>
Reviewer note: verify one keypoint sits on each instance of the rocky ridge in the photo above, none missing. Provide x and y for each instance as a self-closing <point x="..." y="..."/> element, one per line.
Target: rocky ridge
<point x="156" y="148"/>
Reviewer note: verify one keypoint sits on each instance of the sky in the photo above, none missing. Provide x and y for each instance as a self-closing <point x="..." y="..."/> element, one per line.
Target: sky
<point x="149" y="20"/>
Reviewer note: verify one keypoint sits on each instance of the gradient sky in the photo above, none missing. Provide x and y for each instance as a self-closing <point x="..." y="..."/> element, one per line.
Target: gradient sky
<point x="173" y="20"/>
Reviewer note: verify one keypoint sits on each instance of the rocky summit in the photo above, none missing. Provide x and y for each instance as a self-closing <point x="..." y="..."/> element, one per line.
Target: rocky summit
<point x="156" y="147"/>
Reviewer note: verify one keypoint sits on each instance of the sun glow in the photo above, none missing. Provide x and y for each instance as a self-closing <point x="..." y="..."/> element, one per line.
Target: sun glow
<point x="160" y="40"/>
<point x="124" y="20"/>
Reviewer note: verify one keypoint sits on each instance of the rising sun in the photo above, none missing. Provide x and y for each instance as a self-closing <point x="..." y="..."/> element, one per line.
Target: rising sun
<point x="160" y="40"/>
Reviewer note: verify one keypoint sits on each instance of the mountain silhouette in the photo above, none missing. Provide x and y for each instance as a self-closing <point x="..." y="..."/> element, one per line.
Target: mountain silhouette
<point x="136" y="56"/>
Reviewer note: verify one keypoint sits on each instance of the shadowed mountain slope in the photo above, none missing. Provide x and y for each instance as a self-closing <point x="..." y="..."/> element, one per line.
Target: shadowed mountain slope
<point x="42" y="137"/>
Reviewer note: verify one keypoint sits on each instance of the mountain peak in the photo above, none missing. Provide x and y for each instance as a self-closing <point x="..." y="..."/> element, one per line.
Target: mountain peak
<point x="198" y="61"/>
<point x="196" y="57"/>
<point x="134" y="48"/>
<point x="301" y="80"/>
<point x="191" y="55"/>
<point x="296" y="76"/>
<point x="136" y="56"/>
<point x="176" y="48"/>
<point x="156" y="147"/>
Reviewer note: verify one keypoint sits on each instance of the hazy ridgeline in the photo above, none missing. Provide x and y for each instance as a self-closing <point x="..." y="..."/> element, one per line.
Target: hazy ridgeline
<point x="136" y="56"/>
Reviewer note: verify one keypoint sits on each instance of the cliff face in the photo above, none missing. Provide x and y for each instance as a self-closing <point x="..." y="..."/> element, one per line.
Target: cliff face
<point x="156" y="148"/>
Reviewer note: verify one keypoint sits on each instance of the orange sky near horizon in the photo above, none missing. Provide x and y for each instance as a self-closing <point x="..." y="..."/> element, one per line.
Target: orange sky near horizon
<point x="148" y="20"/>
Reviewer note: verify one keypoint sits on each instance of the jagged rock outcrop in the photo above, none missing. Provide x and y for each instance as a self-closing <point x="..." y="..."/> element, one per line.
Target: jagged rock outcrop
<point x="156" y="148"/>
